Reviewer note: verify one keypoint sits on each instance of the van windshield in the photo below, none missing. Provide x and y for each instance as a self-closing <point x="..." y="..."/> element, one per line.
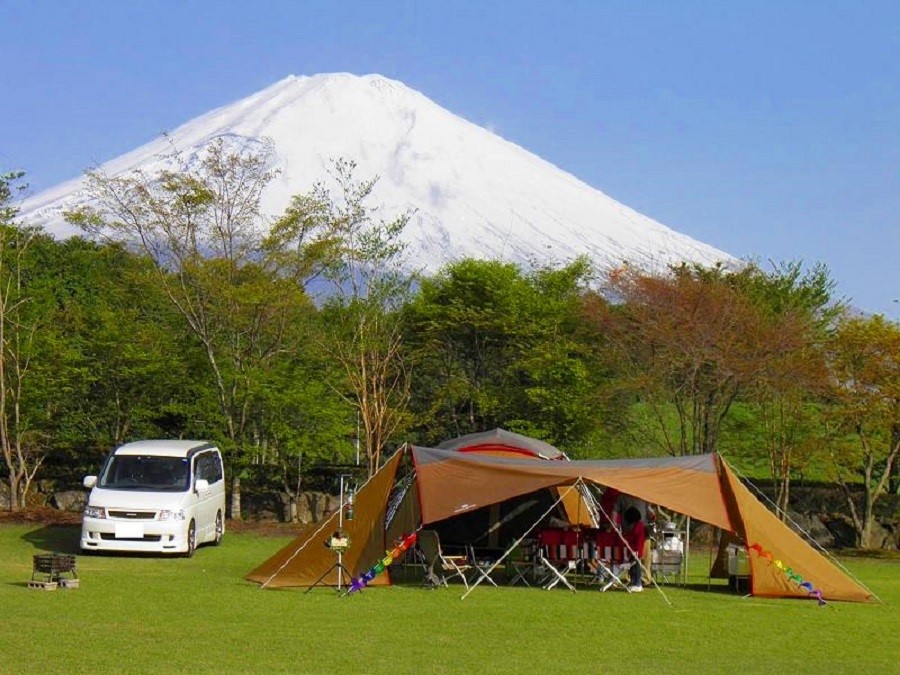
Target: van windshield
<point x="146" y="472"/>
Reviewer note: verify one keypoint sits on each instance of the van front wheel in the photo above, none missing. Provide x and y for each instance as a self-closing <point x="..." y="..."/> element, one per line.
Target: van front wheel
<point x="220" y="529"/>
<point x="191" y="540"/>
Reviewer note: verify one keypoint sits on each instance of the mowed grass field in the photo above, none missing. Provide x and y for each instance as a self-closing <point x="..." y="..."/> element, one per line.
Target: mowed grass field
<point x="161" y="615"/>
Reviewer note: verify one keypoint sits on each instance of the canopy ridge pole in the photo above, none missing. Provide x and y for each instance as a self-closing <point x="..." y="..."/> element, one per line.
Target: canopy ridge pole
<point x="324" y="523"/>
<point x="636" y="557"/>
<point x="519" y="540"/>
<point x="797" y="526"/>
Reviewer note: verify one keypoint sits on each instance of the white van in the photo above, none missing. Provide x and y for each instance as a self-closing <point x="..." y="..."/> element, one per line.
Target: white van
<point x="156" y="497"/>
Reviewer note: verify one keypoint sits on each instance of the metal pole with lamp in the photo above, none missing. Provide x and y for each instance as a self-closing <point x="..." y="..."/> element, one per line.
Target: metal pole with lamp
<point x="339" y="541"/>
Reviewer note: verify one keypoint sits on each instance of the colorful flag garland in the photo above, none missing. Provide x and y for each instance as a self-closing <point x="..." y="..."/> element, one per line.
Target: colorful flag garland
<point x="396" y="553"/>
<point x="788" y="572"/>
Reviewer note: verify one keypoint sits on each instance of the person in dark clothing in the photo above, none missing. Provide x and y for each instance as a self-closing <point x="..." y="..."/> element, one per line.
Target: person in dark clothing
<point x="635" y="537"/>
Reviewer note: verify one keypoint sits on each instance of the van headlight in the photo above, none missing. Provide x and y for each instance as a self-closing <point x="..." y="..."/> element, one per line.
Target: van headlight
<point x="94" y="512"/>
<point x="165" y="514"/>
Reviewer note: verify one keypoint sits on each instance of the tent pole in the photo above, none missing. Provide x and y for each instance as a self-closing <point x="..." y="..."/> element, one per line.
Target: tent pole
<point x="687" y="551"/>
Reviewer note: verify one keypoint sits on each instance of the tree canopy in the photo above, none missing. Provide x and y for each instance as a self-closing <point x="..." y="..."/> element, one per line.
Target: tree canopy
<point x="292" y="342"/>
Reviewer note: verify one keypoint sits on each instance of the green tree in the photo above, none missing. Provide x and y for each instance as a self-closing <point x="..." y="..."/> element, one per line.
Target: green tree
<point x="864" y="358"/>
<point x="492" y="347"/>
<point x="11" y="184"/>
<point x="301" y="423"/>
<point x="135" y="370"/>
<point x="371" y="286"/>
<point x="202" y="228"/>
<point x="784" y="398"/>
<point x="559" y="369"/>
<point x="30" y="346"/>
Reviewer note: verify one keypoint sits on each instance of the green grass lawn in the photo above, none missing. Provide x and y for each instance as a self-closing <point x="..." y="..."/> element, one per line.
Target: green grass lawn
<point x="160" y="615"/>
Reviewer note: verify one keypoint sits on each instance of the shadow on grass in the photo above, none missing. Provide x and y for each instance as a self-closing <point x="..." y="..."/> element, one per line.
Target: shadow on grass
<point x="55" y="538"/>
<point x="873" y="554"/>
<point x="718" y="588"/>
<point x="65" y="539"/>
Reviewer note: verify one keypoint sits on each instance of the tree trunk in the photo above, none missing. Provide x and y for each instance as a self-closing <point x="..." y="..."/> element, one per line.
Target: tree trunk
<point x="13" y="492"/>
<point x="858" y="524"/>
<point x="784" y="491"/>
<point x="236" y="498"/>
<point x="784" y="479"/>
<point x="894" y="473"/>
<point x="868" y="520"/>
<point x="864" y="537"/>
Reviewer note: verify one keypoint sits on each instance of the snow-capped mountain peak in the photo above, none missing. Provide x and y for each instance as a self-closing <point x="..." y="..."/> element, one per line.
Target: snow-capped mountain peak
<point x="473" y="194"/>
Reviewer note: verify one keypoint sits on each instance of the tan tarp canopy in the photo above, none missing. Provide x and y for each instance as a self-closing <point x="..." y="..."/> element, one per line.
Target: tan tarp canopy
<point x="701" y="486"/>
<point x="449" y="483"/>
<point x="503" y="443"/>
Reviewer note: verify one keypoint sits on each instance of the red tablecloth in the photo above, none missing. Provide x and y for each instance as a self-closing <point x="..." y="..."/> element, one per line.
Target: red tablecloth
<point x="558" y="544"/>
<point x="610" y="547"/>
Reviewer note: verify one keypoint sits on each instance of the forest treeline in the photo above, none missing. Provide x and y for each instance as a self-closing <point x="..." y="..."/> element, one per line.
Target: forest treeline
<point x="184" y="312"/>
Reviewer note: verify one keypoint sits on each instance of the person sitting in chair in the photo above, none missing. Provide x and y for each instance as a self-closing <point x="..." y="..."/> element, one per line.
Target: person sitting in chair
<point x="635" y="537"/>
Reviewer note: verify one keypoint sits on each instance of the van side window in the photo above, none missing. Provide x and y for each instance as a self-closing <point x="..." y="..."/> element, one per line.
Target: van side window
<point x="202" y="470"/>
<point x="216" y="467"/>
<point x="209" y="467"/>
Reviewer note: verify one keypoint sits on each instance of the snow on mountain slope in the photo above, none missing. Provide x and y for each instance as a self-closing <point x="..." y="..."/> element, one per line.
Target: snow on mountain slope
<point x="474" y="194"/>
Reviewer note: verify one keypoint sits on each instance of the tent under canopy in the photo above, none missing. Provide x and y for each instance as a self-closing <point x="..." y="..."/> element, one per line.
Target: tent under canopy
<point x="502" y="442"/>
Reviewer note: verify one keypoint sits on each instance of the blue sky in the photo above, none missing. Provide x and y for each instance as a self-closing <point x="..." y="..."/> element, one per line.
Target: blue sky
<point x="768" y="129"/>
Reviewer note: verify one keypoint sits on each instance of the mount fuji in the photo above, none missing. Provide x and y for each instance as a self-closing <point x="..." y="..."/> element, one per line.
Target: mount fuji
<point x="473" y="193"/>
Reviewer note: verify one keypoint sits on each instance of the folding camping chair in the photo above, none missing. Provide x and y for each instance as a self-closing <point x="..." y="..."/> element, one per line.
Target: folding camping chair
<point x="442" y="566"/>
<point x="611" y="574"/>
<point x="558" y="572"/>
<point x="522" y="562"/>
<point x="613" y="561"/>
<point x="557" y="558"/>
<point x="484" y="565"/>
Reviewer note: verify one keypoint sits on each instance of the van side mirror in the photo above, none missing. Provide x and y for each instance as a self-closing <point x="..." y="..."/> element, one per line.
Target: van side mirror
<point x="89" y="481"/>
<point x="201" y="485"/>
